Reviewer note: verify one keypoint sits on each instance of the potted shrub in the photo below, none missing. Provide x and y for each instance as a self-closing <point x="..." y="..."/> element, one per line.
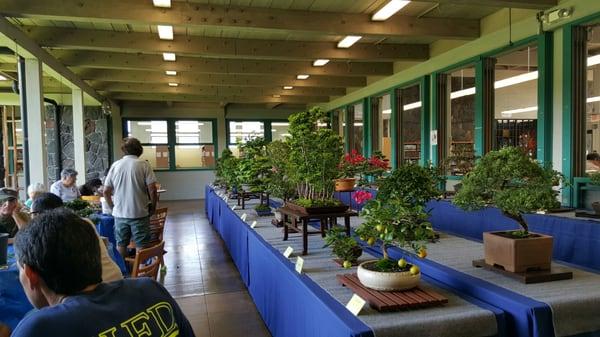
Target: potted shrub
<point x="397" y="217"/>
<point x="315" y="155"/>
<point x="262" y="210"/>
<point x="279" y="184"/>
<point x="356" y="165"/>
<point x="344" y="247"/>
<point x="509" y="180"/>
<point x="253" y="168"/>
<point x="226" y="170"/>
<point x="82" y="208"/>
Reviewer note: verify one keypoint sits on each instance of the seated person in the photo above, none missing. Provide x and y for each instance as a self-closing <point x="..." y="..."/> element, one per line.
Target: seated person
<point x="32" y="191"/>
<point x="58" y="257"/>
<point x="48" y="201"/>
<point x="91" y="187"/>
<point x="12" y="218"/>
<point x="66" y="187"/>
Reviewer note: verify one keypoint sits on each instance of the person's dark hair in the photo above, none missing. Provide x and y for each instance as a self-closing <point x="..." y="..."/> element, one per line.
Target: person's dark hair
<point x="63" y="249"/>
<point x="90" y="186"/>
<point x="132" y="146"/>
<point x="593" y="156"/>
<point x="45" y="202"/>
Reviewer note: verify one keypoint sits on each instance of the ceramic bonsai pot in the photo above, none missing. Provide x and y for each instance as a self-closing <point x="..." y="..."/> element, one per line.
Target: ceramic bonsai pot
<point x="263" y="213"/>
<point x="517" y="255"/>
<point x="386" y="281"/>
<point x="345" y="184"/>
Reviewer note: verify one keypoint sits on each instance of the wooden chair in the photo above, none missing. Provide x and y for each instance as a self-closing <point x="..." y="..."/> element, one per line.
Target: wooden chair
<point x="91" y="198"/>
<point x="157" y="228"/>
<point x="147" y="261"/>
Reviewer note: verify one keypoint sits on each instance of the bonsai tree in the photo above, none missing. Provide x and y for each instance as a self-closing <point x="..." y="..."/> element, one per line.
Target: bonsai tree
<point x="342" y="246"/>
<point x="397" y="215"/>
<point x="279" y="183"/>
<point x="368" y="170"/>
<point x="226" y="170"/>
<point x="511" y="181"/>
<point x="253" y="169"/>
<point x="315" y="155"/>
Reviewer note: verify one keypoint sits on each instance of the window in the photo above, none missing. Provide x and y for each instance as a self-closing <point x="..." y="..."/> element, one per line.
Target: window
<point x="515" y="99"/>
<point x="382" y="125"/>
<point x="242" y="131"/>
<point x="338" y="122"/>
<point x="409" y="119"/>
<point x="279" y="130"/>
<point x="357" y="129"/>
<point x="592" y="107"/>
<point x="175" y="144"/>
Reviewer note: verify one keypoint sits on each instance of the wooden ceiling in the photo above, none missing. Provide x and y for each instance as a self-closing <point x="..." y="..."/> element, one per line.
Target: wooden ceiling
<point x="240" y="51"/>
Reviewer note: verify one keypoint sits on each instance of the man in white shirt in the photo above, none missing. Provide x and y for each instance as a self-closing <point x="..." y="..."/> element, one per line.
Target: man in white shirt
<point x="132" y="183"/>
<point x="66" y="187"/>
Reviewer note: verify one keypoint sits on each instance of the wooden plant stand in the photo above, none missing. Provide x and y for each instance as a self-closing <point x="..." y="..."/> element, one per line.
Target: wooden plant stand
<point x="385" y="301"/>
<point x="529" y="277"/>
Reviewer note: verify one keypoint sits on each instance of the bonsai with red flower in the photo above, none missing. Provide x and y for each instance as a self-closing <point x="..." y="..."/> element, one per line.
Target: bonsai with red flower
<point x="367" y="170"/>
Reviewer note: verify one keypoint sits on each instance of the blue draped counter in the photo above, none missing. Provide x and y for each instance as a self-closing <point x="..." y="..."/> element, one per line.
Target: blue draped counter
<point x="13" y="301"/>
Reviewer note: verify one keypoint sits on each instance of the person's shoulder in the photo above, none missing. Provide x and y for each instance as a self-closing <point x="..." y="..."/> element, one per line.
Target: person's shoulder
<point x="42" y="322"/>
<point x="56" y="183"/>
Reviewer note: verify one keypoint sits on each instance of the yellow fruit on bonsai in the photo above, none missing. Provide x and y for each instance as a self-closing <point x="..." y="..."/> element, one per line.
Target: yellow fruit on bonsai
<point x="379" y="228"/>
<point x="414" y="270"/>
<point x="371" y="241"/>
<point x="402" y="263"/>
<point x="347" y="264"/>
<point x="422" y="253"/>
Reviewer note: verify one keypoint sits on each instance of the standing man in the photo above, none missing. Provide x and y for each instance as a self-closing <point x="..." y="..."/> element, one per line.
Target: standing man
<point x="133" y="184"/>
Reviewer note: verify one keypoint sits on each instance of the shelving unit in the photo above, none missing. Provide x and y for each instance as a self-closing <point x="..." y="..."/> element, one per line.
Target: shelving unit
<point x="12" y="144"/>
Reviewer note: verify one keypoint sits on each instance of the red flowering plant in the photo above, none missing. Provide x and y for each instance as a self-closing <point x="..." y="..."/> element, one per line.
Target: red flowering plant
<point x="353" y="164"/>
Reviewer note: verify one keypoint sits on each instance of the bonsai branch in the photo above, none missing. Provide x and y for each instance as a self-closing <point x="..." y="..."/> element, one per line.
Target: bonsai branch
<point x="519" y="219"/>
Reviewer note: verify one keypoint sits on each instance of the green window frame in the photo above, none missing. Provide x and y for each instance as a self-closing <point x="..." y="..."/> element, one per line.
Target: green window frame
<point x="172" y="141"/>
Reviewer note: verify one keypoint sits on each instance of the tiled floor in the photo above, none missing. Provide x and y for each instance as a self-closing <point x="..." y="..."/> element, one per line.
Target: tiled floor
<point x="202" y="276"/>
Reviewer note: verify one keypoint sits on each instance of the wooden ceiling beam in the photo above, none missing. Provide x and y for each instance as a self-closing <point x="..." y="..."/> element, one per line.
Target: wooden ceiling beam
<point x="525" y="4"/>
<point x="88" y="39"/>
<point x="200" y="15"/>
<point x="142" y="76"/>
<point x="213" y="90"/>
<point x="217" y="99"/>
<point x="108" y="60"/>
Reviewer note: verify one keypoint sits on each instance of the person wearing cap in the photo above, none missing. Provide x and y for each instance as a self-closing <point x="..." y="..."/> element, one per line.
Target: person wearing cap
<point x="45" y="202"/>
<point x="66" y="188"/>
<point x="12" y="218"/>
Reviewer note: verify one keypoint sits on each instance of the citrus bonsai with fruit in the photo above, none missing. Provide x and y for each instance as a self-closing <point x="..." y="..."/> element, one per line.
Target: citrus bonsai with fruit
<point x="397" y="216"/>
<point x="343" y="246"/>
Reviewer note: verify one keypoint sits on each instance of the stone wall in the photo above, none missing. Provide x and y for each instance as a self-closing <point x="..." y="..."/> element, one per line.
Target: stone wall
<point x="96" y="142"/>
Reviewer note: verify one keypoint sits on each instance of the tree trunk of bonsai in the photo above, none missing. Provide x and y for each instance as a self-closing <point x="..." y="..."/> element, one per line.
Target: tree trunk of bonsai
<point x="518" y="218"/>
<point x="384" y="250"/>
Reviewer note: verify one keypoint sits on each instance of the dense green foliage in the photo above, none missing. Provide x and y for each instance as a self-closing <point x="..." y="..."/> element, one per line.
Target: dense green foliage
<point x="413" y="184"/>
<point x="511" y="181"/>
<point x="279" y="184"/>
<point x="315" y="155"/>
<point x="226" y="170"/>
<point x="262" y="208"/>
<point x="253" y="168"/>
<point x="317" y="202"/>
<point x="342" y="246"/>
<point x="81" y="207"/>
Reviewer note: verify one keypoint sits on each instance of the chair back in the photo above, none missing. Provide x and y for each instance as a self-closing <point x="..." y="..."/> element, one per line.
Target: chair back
<point x="147" y="261"/>
<point x="91" y="198"/>
<point x="157" y="225"/>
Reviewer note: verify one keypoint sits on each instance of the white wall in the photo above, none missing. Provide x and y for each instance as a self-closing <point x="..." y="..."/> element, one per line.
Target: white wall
<point x="184" y="185"/>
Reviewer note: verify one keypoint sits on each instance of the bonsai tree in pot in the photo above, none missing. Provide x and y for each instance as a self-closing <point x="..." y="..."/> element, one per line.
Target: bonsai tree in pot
<point x="279" y="184"/>
<point x="344" y="247"/>
<point x="368" y="170"/>
<point x="315" y="155"/>
<point x="516" y="184"/>
<point x="226" y="170"/>
<point x="397" y="216"/>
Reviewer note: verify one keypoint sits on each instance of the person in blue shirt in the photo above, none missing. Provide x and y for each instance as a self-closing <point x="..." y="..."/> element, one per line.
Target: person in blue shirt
<point x="58" y="257"/>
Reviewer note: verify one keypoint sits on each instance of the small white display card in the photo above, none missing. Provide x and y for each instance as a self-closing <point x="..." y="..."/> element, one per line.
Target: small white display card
<point x="226" y="199"/>
<point x="233" y="207"/>
<point x="253" y="224"/>
<point x="355" y="304"/>
<point x="299" y="264"/>
<point x="244" y="216"/>
<point x="288" y="252"/>
<point x="434" y="136"/>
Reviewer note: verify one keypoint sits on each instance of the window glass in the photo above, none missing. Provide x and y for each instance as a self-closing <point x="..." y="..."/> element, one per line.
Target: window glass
<point x="279" y="130"/>
<point x="195" y="156"/>
<point x="592" y="120"/>
<point x="157" y="156"/>
<point x="382" y="131"/>
<point x="240" y="132"/>
<point x="338" y="122"/>
<point x="515" y="99"/>
<point x="357" y="128"/>
<point x="193" y="132"/>
<point x="148" y="132"/>
<point x="460" y="121"/>
<point x="410" y="117"/>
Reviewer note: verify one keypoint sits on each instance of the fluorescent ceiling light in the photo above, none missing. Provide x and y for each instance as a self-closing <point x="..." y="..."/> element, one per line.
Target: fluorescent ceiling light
<point x="411" y="106"/>
<point x="288" y="87"/>
<point x="169" y="56"/>
<point x="461" y="93"/>
<point x="593" y="60"/>
<point x="358" y="124"/>
<point x="517" y="111"/>
<point x="162" y="3"/>
<point x="165" y="32"/>
<point x="320" y="62"/>
<point x="3" y="78"/>
<point x="386" y="112"/>
<point x="302" y="76"/>
<point x="276" y="96"/>
<point x="389" y="9"/>
<point x="593" y="99"/>
<point x="516" y="80"/>
<point x="173" y="84"/>
<point x="348" y="41"/>
<point x="280" y="124"/>
<point x="171" y="72"/>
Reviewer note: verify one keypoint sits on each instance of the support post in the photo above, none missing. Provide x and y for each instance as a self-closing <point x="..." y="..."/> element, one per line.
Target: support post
<point x="79" y="134"/>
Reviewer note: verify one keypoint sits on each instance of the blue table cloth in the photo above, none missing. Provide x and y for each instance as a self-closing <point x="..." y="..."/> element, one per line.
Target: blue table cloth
<point x="13" y="301"/>
<point x="106" y="228"/>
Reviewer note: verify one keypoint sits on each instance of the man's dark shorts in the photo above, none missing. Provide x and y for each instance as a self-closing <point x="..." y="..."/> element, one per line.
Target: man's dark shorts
<point x="138" y="228"/>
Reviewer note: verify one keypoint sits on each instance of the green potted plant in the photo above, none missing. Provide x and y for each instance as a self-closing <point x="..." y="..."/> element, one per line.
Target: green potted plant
<point x="344" y="247"/>
<point x="315" y="155"/>
<point x="397" y="216"/>
<point x="279" y="184"/>
<point x="226" y="170"/>
<point x="254" y="168"/>
<point x="516" y="184"/>
<point x="368" y="170"/>
<point x="82" y="208"/>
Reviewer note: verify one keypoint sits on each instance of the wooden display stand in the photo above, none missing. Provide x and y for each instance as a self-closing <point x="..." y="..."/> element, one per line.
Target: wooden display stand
<point x="393" y="300"/>
<point x="529" y="277"/>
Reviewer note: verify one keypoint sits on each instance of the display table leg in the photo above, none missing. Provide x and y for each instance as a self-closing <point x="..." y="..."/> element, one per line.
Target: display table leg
<point x="305" y="236"/>
<point x="347" y="223"/>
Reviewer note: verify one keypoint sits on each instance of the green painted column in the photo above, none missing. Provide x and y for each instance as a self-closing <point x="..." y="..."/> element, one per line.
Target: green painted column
<point x="567" y="140"/>
<point x="479" y="109"/>
<point x="425" y="118"/>
<point x="394" y="123"/>
<point x="545" y="80"/>
<point x="367" y="126"/>
<point x="435" y="117"/>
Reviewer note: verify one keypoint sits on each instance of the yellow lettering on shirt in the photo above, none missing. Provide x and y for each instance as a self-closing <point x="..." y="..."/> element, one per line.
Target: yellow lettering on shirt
<point x="108" y="333"/>
<point x="137" y="326"/>
<point x="159" y="315"/>
<point x="160" y="312"/>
